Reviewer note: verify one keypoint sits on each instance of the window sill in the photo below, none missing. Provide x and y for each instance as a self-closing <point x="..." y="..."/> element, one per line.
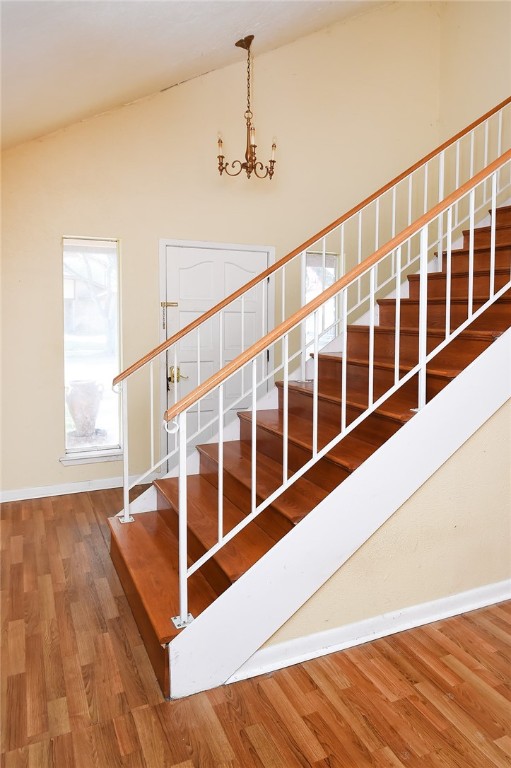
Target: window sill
<point x="91" y="457"/>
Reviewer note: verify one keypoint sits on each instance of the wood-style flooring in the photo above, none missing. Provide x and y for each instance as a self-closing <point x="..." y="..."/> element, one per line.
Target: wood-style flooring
<point x="78" y="691"/>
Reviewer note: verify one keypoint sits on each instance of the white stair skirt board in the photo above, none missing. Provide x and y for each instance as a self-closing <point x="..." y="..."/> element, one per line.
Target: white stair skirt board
<point x="302" y="649"/>
<point x="219" y="641"/>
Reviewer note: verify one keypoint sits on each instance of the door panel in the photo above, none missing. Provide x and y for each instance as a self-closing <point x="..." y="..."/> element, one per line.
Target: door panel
<point x="198" y="276"/>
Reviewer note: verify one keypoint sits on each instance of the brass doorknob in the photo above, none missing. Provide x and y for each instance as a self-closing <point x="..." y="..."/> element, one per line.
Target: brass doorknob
<point x="175" y="375"/>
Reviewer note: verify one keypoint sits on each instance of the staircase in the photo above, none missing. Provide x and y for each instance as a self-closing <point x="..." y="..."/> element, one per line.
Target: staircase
<point x="146" y="551"/>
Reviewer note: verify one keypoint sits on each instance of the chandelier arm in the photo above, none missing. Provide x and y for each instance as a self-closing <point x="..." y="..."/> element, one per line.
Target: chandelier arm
<point x="234" y="162"/>
<point x="261" y="168"/>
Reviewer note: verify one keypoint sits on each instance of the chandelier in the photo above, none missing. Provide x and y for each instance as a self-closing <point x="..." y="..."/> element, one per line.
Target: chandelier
<point x="251" y="165"/>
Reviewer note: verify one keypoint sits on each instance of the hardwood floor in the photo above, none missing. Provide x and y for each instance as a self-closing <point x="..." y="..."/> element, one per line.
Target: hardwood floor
<point x="78" y="691"/>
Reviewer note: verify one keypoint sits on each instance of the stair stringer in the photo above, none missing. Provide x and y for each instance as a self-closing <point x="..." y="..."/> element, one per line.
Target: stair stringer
<point x="219" y="641"/>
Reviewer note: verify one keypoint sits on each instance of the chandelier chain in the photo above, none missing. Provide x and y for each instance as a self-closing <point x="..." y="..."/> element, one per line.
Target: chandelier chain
<point x="249" y="111"/>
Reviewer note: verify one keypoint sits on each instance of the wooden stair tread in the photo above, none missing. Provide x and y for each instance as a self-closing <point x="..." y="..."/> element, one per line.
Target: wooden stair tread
<point x="478" y="248"/>
<point x="149" y="540"/>
<point x="240" y="553"/>
<point x="397" y="406"/>
<point x="486" y="229"/>
<point x="294" y="503"/>
<point x="443" y="372"/>
<point x="461" y="273"/>
<point x="503" y="215"/>
<point x="468" y="333"/>
<point x="349" y="454"/>
<point x="440" y="301"/>
<point x="382" y="365"/>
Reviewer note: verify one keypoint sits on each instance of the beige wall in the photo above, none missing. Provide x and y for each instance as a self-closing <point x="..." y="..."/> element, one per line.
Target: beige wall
<point x="350" y="107"/>
<point x="475" y="60"/>
<point x="148" y="171"/>
<point x="452" y="535"/>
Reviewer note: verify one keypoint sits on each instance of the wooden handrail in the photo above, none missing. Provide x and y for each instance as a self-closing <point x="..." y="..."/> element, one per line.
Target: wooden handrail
<point x="292" y="321"/>
<point x="281" y="262"/>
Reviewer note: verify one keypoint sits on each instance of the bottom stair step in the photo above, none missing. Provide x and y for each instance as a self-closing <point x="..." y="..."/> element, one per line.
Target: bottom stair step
<point x="145" y="556"/>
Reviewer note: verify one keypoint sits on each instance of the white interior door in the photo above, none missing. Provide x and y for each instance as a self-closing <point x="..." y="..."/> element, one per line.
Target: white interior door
<point x="198" y="276"/>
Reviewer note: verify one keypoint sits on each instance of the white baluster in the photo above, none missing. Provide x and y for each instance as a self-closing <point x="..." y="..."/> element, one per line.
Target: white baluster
<point x="253" y="500"/>
<point x="457" y="174"/>
<point x="397" y="318"/>
<point x="426" y="169"/>
<point x="183" y="522"/>
<point x="303" y="264"/>
<point x="370" y="393"/>
<point x="323" y="286"/>
<point x="283" y="293"/>
<point x="377" y="225"/>
<point x="410" y="192"/>
<point x="343" y="255"/>
<point x="423" y="310"/>
<point x="394" y="192"/>
<point x="315" y="387"/>
<point x="471" y="254"/>
<point x="485" y="154"/>
<point x="221" y="338"/>
<point x="198" y="379"/>
<point x="344" y="363"/>
<point x="448" y="274"/>
<point x="359" y="253"/>
<point x="221" y="461"/>
<point x="441" y="173"/>
<point x="126" y="517"/>
<point x="285" y="408"/>
<point x="151" y="408"/>
<point x="492" y="232"/>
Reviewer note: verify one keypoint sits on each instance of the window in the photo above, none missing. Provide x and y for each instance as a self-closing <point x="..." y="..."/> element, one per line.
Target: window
<point x="91" y="348"/>
<point x="321" y="271"/>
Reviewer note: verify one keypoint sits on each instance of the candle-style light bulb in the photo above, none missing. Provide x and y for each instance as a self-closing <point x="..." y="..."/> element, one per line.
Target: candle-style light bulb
<point x="273" y="148"/>
<point x="252" y="136"/>
<point x="220" y="146"/>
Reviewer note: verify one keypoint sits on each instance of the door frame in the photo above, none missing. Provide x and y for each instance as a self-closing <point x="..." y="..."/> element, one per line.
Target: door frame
<point x="207" y="245"/>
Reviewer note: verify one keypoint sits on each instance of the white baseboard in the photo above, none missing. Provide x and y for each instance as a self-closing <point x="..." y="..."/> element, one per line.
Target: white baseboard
<point x="39" y="492"/>
<point x="309" y="647"/>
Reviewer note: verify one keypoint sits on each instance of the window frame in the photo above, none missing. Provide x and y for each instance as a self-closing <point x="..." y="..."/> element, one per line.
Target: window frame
<point x="95" y="453"/>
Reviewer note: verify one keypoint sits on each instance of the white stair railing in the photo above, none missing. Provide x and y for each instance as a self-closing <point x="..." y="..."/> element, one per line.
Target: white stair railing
<point x="354" y="237"/>
<point x="387" y="266"/>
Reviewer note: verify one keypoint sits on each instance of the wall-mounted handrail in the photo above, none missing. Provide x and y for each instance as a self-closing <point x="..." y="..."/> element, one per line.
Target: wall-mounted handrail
<point x="294" y="320"/>
<point x="304" y="246"/>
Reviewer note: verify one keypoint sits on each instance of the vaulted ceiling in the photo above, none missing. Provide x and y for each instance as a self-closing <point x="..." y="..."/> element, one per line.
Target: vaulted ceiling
<point x="67" y="60"/>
